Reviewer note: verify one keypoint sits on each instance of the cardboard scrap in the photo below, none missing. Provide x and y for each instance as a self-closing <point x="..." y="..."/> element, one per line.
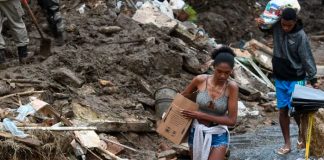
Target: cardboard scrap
<point x="173" y="125"/>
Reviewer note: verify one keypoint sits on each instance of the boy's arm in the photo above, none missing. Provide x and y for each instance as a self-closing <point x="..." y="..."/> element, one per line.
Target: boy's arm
<point x="307" y="59"/>
<point x="260" y="22"/>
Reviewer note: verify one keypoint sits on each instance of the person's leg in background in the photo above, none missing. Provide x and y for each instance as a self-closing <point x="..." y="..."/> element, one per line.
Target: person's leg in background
<point x="2" y="42"/>
<point x="54" y="18"/>
<point x="13" y="11"/>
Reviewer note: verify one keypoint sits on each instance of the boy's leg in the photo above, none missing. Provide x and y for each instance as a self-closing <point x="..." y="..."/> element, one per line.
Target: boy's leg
<point x="283" y="100"/>
<point x="284" y="121"/>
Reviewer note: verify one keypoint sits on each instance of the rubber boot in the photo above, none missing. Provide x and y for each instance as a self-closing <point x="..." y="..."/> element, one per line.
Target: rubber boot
<point x="23" y="55"/>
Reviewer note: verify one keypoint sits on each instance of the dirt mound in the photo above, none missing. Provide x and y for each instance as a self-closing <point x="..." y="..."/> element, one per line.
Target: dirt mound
<point x="137" y="60"/>
<point x="232" y="20"/>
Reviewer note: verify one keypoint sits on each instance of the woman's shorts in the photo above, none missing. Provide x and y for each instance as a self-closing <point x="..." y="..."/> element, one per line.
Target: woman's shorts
<point x="218" y="140"/>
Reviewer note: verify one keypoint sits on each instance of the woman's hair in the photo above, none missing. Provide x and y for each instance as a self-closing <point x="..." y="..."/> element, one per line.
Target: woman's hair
<point x="223" y="54"/>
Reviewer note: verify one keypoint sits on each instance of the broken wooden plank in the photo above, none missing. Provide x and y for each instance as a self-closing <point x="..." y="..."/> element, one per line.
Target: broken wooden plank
<point x="242" y="53"/>
<point x="122" y="126"/>
<point x="27" y="141"/>
<point x="23" y="81"/>
<point x="113" y="156"/>
<point x="50" y="110"/>
<point x="317" y="38"/>
<point x="21" y="94"/>
<point x="102" y="137"/>
<point x="256" y="45"/>
<point x="58" y="128"/>
<point x="263" y="76"/>
<point x="167" y="154"/>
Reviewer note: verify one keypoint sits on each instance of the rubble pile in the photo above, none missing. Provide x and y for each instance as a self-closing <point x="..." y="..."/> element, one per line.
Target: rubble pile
<point x="101" y="84"/>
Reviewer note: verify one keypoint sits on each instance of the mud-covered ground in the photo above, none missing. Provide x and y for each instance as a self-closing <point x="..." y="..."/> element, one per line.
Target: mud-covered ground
<point x="136" y="69"/>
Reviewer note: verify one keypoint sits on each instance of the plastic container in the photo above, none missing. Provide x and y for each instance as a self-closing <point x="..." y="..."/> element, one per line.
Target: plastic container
<point x="163" y="98"/>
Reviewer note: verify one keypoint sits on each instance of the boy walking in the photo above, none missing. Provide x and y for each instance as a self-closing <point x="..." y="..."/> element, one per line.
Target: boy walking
<point x="293" y="64"/>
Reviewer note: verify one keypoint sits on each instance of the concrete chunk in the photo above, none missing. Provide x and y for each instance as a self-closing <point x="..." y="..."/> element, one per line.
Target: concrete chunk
<point x="67" y="77"/>
<point x="148" y="14"/>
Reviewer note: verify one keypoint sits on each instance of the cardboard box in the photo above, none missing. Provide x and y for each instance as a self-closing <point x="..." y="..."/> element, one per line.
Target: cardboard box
<point x="173" y="125"/>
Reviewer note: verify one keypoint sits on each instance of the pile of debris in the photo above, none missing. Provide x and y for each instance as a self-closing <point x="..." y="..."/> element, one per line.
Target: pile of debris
<point x="104" y="78"/>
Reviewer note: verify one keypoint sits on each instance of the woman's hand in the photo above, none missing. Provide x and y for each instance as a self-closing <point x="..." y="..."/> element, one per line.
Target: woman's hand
<point x="192" y="114"/>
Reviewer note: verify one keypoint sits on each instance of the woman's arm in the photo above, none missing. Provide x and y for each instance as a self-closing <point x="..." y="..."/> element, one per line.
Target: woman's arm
<point x="193" y="86"/>
<point x="230" y="119"/>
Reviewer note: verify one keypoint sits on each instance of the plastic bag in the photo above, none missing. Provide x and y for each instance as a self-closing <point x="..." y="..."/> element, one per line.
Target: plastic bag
<point x="273" y="10"/>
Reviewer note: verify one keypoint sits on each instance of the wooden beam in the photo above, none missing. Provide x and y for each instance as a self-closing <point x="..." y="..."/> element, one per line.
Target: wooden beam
<point x="27" y="141"/>
<point x="20" y="94"/>
<point x="122" y="126"/>
<point x="113" y="156"/>
<point x="58" y="128"/>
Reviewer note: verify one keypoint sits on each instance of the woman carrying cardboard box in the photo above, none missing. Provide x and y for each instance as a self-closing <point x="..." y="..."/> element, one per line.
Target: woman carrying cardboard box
<point x="217" y="98"/>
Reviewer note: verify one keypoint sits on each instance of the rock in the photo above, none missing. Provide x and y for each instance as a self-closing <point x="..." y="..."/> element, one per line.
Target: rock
<point x="84" y="112"/>
<point x="105" y="83"/>
<point x="88" y="139"/>
<point x="179" y="44"/>
<point x="128" y="23"/>
<point x="139" y="64"/>
<point x="145" y="87"/>
<point x="110" y="90"/>
<point x="191" y="63"/>
<point x="71" y="28"/>
<point x="139" y="107"/>
<point x="67" y="77"/>
<point x="184" y="34"/>
<point x="150" y="40"/>
<point x="269" y="106"/>
<point x="241" y="109"/>
<point x="244" y="111"/>
<point x="109" y="29"/>
<point x="86" y="90"/>
<point x="210" y="20"/>
<point x="146" y="101"/>
<point x="4" y="88"/>
<point x="149" y="14"/>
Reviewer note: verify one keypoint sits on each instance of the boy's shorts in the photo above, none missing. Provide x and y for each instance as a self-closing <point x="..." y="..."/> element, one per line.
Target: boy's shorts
<point x="284" y="90"/>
